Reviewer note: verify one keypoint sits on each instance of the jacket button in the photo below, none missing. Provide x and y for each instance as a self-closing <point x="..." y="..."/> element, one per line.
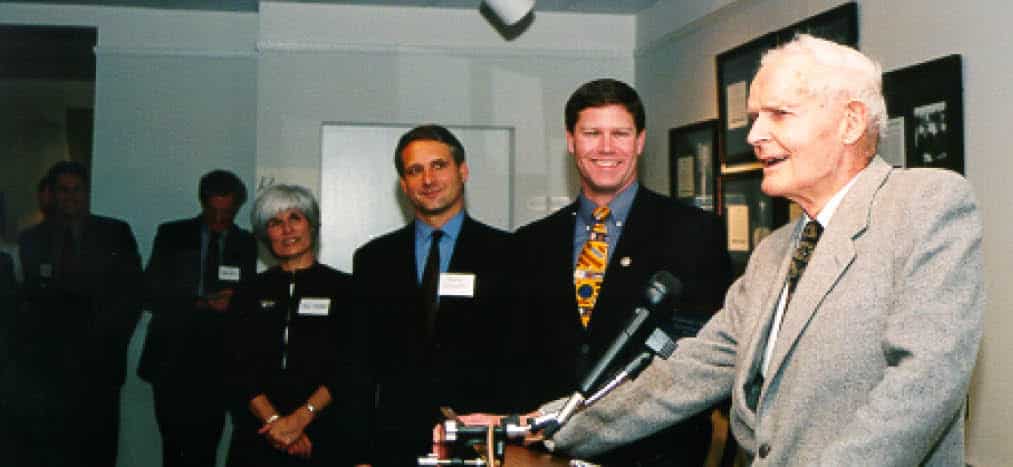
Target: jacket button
<point x="584" y="349"/>
<point x="764" y="450"/>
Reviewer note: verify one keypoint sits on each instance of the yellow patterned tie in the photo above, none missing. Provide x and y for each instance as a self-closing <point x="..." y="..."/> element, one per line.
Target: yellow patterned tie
<point x="590" y="270"/>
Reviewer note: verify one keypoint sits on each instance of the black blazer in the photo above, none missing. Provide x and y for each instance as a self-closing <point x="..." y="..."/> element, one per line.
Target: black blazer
<point x="458" y="367"/>
<point x="183" y="340"/>
<point x="659" y="234"/>
<point x="82" y="324"/>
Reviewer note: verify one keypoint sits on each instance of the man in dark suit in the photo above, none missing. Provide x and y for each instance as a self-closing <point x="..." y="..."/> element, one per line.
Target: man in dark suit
<point x="425" y="286"/>
<point x="568" y="313"/>
<point x="194" y="267"/>
<point x="81" y="280"/>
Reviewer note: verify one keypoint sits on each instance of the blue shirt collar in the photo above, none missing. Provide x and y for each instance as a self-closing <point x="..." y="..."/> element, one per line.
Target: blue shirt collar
<point x="619" y="207"/>
<point x="451" y="229"/>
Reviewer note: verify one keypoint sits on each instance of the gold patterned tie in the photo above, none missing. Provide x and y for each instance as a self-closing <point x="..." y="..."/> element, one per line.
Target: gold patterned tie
<point x="590" y="269"/>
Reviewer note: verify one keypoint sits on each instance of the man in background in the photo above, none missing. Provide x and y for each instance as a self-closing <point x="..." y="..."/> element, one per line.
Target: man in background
<point x="194" y="267"/>
<point x="582" y="270"/>
<point x="44" y="199"/>
<point x="425" y="286"/>
<point x="82" y="277"/>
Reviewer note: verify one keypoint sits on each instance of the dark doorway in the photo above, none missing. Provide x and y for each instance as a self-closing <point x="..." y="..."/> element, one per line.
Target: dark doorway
<point x="47" y="83"/>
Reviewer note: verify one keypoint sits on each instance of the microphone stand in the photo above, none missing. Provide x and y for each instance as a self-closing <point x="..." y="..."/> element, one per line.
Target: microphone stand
<point x="658" y="343"/>
<point x="661" y="286"/>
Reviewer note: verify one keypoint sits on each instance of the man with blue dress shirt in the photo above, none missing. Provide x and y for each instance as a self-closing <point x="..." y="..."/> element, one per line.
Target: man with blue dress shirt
<point x="583" y="269"/>
<point x="422" y="288"/>
<point x="195" y="265"/>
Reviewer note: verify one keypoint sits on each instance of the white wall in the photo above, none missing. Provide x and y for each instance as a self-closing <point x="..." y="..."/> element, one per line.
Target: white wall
<point x="408" y="66"/>
<point x="676" y="74"/>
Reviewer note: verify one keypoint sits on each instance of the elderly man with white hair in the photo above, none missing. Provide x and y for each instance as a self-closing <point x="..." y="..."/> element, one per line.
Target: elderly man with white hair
<point x="851" y="337"/>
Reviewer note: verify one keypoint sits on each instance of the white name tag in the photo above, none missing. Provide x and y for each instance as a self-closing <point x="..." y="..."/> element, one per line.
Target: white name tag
<point x="46" y="271"/>
<point x="228" y="273"/>
<point x="456" y="284"/>
<point x="314" y="306"/>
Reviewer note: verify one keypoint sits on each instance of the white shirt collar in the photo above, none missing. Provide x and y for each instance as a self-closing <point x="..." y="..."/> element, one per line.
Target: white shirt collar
<point x="828" y="211"/>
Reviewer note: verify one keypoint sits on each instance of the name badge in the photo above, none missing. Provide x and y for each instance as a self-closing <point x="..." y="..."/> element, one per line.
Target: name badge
<point x="46" y="270"/>
<point x="314" y="306"/>
<point x="456" y="284"/>
<point x="228" y="273"/>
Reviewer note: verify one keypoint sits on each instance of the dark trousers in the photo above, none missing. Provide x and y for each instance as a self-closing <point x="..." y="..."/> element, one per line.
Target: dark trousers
<point x="98" y="427"/>
<point x="77" y="426"/>
<point x="191" y="417"/>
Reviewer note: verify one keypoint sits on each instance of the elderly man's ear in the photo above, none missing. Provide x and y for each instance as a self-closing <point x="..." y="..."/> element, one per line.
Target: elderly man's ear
<point x="855" y="123"/>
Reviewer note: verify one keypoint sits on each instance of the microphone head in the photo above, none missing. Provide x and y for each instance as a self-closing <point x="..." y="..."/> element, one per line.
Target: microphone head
<point x="662" y="285"/>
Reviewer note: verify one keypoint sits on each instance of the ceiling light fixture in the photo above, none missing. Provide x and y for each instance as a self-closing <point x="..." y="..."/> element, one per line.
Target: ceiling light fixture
<point x="510" y="11"/>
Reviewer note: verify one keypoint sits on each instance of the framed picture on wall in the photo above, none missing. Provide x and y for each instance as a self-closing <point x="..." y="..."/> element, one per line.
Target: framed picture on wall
<point x="736" y="68"/>
<point x="749" y="214"/>
<point x="925" y="105"/>
<point x="693" y="164"/>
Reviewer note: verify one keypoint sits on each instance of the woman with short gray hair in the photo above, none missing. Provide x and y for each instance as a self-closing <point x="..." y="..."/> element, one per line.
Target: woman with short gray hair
<point x="283" y="346"/>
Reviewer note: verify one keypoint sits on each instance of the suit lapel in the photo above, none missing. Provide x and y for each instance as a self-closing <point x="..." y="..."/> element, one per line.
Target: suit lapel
<point x="408" y="236"/>
<point x="626" y="268"/>
<point x="459" y="256"/>
<point x="565" y="262"/>
<point x="834" y="253"/>
<point x="632" y="239"/>
<point x="757" y="343"/>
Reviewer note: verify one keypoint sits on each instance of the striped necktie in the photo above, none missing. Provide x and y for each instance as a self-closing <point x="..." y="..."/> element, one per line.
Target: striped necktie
<point x="590" y="269"/>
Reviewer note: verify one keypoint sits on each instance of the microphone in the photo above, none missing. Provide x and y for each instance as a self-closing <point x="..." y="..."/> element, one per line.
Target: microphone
<point x="662" y="290"/>
<point x="663" y="285"/>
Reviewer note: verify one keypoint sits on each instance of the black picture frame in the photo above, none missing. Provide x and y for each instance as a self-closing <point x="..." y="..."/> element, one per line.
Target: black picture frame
<point x="736" y="68"/>
<point x="749" y="214"/>
<point x="925" y="104"/>
<point x="693" y="164"/>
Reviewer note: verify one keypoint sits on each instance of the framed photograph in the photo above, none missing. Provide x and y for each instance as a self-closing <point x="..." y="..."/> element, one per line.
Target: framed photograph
<point x="925" y="105"/>
<point x="693" y="164"/>
<point x="736" y="68"/>
<point x="749" y="214"/>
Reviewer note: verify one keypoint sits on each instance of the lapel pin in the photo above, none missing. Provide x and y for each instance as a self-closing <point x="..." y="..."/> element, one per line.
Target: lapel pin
<point x="625" y="261"/>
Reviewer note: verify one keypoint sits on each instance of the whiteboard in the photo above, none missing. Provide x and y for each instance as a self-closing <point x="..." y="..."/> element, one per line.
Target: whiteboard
<point x="360" y="197"/>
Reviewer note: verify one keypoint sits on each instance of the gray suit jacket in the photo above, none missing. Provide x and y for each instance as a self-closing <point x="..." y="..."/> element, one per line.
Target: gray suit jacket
<point x="875" y="352"/>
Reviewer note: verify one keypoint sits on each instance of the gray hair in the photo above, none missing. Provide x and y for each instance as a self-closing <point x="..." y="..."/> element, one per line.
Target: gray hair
<point x="854" y="76"/>
<point x="280" y="198"/>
